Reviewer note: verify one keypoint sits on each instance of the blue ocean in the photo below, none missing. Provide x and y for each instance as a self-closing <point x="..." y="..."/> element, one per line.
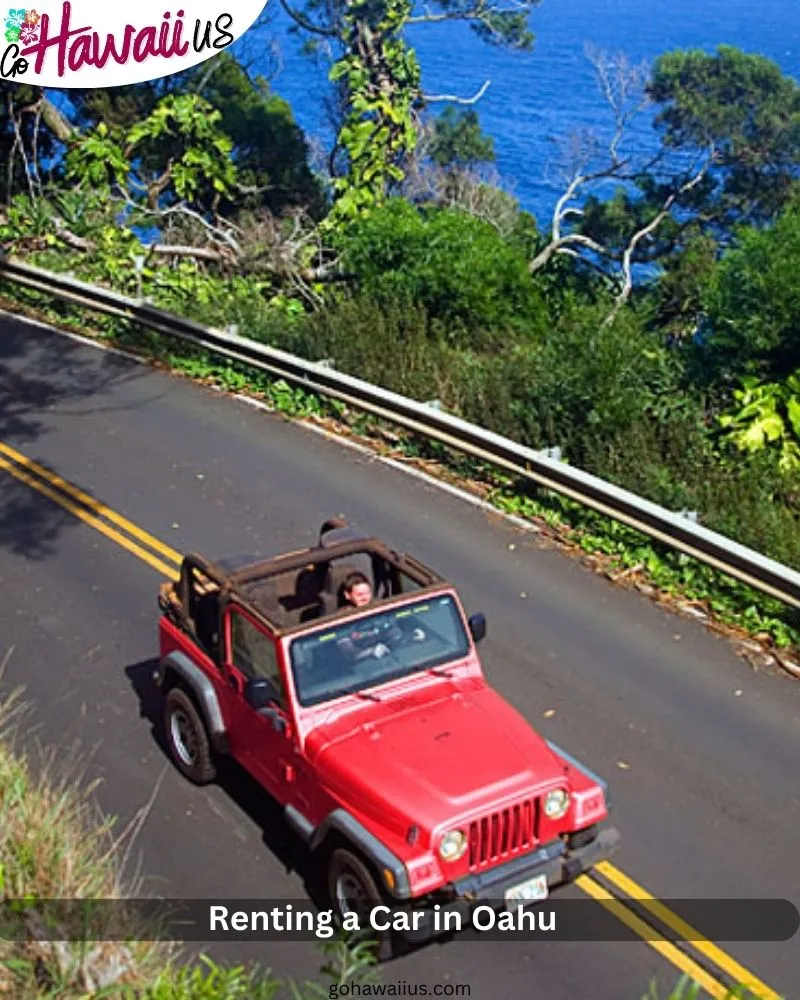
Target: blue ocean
<point x="536" y="100"/>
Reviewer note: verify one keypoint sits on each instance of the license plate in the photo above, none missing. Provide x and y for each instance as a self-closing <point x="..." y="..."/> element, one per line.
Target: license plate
<point x="532" y="891"/>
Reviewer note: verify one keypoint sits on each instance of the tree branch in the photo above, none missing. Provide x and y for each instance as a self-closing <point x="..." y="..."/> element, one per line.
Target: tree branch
<point x="61" y="128"/>
<point x="560" y="213"/>
<point x="432" y="99"/>
<point x="645" y="231"/>
<point x="19" y="143"/>
<point x="306" y="23"/>
<point x="217" y="234"/>
<point x="480" y="10"/>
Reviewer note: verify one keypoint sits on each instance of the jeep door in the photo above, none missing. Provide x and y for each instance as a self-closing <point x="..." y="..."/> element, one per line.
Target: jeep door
<point x="259" y="735"/>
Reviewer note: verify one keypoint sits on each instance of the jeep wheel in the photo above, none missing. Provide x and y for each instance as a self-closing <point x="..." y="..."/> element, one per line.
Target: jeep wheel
<point x="187" y="737"/>
<point x="352" y="889"/>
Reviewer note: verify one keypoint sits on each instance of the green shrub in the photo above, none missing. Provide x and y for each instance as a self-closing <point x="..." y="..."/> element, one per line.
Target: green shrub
<point x="454" y="266"/>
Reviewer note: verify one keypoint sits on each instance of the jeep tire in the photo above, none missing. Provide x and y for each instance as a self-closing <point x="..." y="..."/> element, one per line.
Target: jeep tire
<point x="350" y="879"/>
<point x="187" y="738"/>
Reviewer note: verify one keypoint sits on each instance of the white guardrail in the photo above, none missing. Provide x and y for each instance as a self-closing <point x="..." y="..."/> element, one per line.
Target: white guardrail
<point x="674" y="530"/>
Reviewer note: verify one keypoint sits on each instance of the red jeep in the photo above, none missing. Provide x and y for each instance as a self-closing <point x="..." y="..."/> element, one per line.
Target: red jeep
<point x="374" y="728"/>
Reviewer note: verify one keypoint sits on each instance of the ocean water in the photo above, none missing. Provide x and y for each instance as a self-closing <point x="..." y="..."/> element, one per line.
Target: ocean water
<point x="536" y="100"/>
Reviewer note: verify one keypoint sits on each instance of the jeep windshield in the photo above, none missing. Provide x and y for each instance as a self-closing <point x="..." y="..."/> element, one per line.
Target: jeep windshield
<point x="364" y="652"/>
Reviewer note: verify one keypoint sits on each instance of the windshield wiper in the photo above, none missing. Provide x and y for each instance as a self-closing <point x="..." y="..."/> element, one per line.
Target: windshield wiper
<point x="366" y="695"/>
<point x="441" y="671"/>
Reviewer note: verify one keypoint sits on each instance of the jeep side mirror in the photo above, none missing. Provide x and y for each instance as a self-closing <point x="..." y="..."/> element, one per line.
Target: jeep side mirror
<point x="477" y="627"/>
<point x="258" y="692"/>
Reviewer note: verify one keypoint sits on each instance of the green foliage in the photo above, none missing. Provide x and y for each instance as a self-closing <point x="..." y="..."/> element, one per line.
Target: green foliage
<point x="752" y="303"/>
<point x="769" y="414"/>
<point x="268" y="147"/>
<point x="204" y="151"/>
<point x="181" y="133"/>
<point x="687" y="989"/>
<point x="454" y="266"/>
<point x="383" y="85"/>
<point x="743" y="105"/>
<point x="97" y="161"/>
<point x="677" y="295"/>
<point x="458" y="140"/>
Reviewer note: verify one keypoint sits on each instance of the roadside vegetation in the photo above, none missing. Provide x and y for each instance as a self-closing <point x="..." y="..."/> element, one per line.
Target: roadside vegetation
<point x="648" y="331"/>
<point x="56" y="845"/>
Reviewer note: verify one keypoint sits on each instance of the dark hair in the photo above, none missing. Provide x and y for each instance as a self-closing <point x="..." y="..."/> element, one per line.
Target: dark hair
<point x="353" y="579"/>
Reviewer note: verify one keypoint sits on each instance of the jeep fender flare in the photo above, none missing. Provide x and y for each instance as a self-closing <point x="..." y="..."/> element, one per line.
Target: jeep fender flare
<point x="180" y="666"/>
<point x="357" y="836"/>
<point x="580" y="766"/>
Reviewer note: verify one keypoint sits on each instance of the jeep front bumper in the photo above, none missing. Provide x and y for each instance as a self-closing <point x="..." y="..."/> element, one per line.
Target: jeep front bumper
<point x="558" y="863"/>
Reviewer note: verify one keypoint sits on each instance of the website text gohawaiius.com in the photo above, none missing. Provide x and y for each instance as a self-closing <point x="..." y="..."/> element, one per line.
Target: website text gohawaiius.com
<point x="399" y="989"/>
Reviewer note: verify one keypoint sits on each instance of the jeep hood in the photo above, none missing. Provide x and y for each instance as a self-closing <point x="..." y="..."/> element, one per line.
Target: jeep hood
<point x="425" y="761"/>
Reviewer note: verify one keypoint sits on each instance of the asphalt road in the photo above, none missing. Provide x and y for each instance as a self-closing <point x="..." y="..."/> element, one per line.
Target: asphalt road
<point x="707" y="798"/>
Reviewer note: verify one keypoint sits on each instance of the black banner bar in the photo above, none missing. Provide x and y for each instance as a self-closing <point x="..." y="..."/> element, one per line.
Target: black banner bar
<point x="297" y="920"/>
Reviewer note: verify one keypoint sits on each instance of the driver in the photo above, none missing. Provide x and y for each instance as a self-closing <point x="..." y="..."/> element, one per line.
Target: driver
<point x="357" y="590"/>
<point x="357" y="593"/>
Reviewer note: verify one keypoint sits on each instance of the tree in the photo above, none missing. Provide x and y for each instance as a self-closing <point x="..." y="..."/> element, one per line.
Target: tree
<point x="752" y="304"/>
<point x="269" y="148"/>
<point x="728" y="131"/>
<point x="750" y="112"/>
<point x="453" y="167"/>
<point x="380" y="82"/>
<point x="458" y="142"/>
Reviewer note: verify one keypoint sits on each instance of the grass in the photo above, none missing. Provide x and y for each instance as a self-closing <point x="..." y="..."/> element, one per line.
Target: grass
<point x="56" y="845"/>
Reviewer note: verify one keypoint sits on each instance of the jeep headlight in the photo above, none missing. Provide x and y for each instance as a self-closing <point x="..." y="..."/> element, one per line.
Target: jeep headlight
<point x="556" y="803"/>
<point x="453" y="845"/>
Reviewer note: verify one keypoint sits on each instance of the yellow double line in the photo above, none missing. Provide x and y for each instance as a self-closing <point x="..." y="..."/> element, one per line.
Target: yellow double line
<point x="623" y="887"/>
<point x="619" y="890"/>
<point x="90" y="511"/>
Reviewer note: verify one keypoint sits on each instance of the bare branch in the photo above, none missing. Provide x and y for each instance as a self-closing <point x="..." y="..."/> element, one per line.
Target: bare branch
<point x="648" y="230"/>
<point x="35" y="159"/>
<point x="199" y="253"/>
<point x="19" y="143"/>
<point x="624" y="88"/>
<point x="558" y="241"/>
<point x="219" y="235"/>
<point x="61" y="128"/>
<point x="71" y="239"/>
<point x="431" y="99"/>
<point x="307" y="23"/>
<point x="479" y="11"/>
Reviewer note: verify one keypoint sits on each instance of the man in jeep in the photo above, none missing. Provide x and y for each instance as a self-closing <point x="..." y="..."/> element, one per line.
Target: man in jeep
<point x="357" y="592"/>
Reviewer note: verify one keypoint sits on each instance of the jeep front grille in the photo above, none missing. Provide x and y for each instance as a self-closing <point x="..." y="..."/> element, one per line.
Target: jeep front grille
<point x="502" y="834"/>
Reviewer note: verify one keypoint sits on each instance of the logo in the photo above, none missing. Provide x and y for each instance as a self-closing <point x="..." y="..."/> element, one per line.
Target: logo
<point x="86" y="44"/>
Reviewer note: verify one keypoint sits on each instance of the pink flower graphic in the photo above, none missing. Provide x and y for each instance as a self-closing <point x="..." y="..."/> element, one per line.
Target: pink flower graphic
<point x="32" y="18"/>
<point x="28" y="34"/>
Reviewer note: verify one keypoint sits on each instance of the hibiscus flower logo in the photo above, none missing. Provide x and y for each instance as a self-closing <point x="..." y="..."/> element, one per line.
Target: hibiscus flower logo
<point x="22" y="26"/>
